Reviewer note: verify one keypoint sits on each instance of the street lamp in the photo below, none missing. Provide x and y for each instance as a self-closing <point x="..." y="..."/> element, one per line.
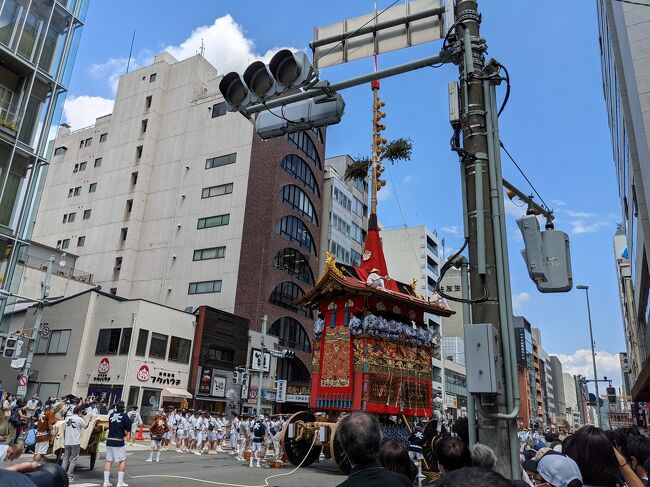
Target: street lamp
<point x="593" y="352"/>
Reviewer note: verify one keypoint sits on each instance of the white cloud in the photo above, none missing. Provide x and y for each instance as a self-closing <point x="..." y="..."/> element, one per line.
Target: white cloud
<point x="407" y="179"/>
<point x="580" y="363"/>
<point x="519" y="299"/>
<point x="581" y="226"/>
<point x="580" y="214"/>
<point x="514" y="209"/>
<point x="384" y="193"/>
<point x="111" y="70"/>
<point x="81" y="111"/>
<point x="452" y="230"/>
<point x="559" y="203"/>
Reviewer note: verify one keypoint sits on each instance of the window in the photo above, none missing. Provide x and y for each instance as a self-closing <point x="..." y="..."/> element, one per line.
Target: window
<point x="319" y="135"/>
<point x="70" y="192"/>
<point x="341" y="253"/>
<point x="141" y="347"/>
<point x="138" y="152"/>
<point x="342" y="199"/>
<point x="98" y="162"/>
<point x="103" y="138"/>
<point x="291" y="333"/>
<point x="77" y="191"/>
<point x="143" y="126"/>
<point x="125" y="343"/>
<point x="65" y="243"/>
<point x="71" y="217"/>
<point x="58" y="244"/>
<point x="87" y="214"/>
<point x="210" y="253"/>
<point x="302" y="141"/>
<point x="123" y="233"/>
<point x="300" y="170"/>
<point x="284" y="296"/>
<point x="295" y="264"/>
<point x="117" y="267"/>
<point x="152" y="77"/>
<point x="88" y="142"/>
<point x="179" y="350"/>
<point x="298" y="200"/>
<point x="355" y="258"/>
<point x="59" y="340"/>
<point x="341" y="225"/>
<point x="296" y="231"/>
<point x="81" y="144"/>
<point x="357" y="233"/>
<point x="92" y="188"/>
<point x="129" y="206"/>
<point x="82" y="166"/>
<point x="221" y="160"/>
<point x="134" y="179"/>
<point x="213" y="221"/>
<point x="108" y="341"/>
<point x="113" y="291"/>
<point x="218" y="109"/>
<point x="75" y="168"/>
<point x="65" y="218"/>
<point x="216" y="190"/>
<point x="81" y="241"/>
<point x="158" y="345"/>
<point x="358" y="207"/>
<point x="147" y="102"/>
<point x="204" y="287"/>
<point x="59" y="151"/>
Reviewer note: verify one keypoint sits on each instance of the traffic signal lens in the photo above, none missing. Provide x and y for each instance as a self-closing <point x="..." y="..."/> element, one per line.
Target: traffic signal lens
<point x="258" y="78"/>
<point x="233" y="89"/>
<point x="284" y="67"/>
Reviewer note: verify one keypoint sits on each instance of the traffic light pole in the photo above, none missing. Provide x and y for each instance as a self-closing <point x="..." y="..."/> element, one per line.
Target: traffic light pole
<point x="45" y="294"/>
<point x="489" y="279"/>
<point x="261" y="365"/>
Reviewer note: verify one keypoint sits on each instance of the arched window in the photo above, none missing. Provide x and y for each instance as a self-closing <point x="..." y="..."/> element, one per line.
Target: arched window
<point x="302" y="141"/>
<point x="294" y="230"/>
<point x="318" y="133"/>
<point x="300" y="170"/>
<point x="291" y="334"/>
<point x="298" y="200"/>
<point x="292" y="370"/>
<point x="295" y="264"/>
<point x="285" y="293"/>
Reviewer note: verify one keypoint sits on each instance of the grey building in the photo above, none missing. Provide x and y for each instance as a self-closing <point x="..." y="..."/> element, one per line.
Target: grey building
<point x="558" y="388"/>
<point x="624" y="38"/>
<point x="38" y="44"/>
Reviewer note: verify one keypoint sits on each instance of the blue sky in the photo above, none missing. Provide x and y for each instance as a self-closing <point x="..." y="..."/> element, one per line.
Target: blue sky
<point x="555" y="125"/>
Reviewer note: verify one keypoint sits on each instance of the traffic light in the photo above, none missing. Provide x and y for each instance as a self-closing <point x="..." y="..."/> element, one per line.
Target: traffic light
<point x="236" y="378"/>
<point x="288" y="354"/>
<point x="611" y="394"/>
<point x="547" y="256"/>
<point x="9" y="348"/>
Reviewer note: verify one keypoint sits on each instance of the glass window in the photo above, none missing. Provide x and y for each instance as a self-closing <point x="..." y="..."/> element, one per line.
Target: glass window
<point x="88" y="142"/>
<point x="15" y="185"/>
<point x="297" y="199"/>
<point x="179" y="350"/>
<point x="125" y="343"/>
<point x="98" y="162"/>
<point x="108" y="341"/>
<point x="82" y="166"/>
<point x="216" y="190"/>
<point x="141" y="347"/>
<point x="92" y="188"/>
<point x="210" y="253"/>
<point x="295" y="264"/>
<point x="284" y="295"/>
<point x="221" y="160"/>
<point x="218" y="109"/>
<point x="59" y="341"/>
<point x="71" y="217"/>
<point x="103" y="138"/>
<point x="220" y="357"/>
<point x="34" y="28"/>
<point x="54" y="42"/>
<point x="300" y="170"/>
<point x="342" y="199"/>
<point x="65" y="243"/>
<point x="41" y="345"/>
<point x="81" y="241"/>
<point x="213" y="221"/>
<point x="317" y="132"/>
<point x="152" y="77"/>
<point x="158" y="345"/>
<point x="11" y="18"/>
<point x="294" y="230"/>
<point x="302" y="141"/>
<point x="77" y="191"/>
<point x="143" y="126"/>
<point x="204" y="287"/>
<point x="59" y="151"/>
<point x="291" y="333"/>
<point x="87" y="214"/>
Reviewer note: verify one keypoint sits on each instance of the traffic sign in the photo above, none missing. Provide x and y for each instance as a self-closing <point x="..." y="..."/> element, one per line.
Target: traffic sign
<point x="45" y="330"/>
<point x="23" y="381"/>
<point x="21" y="391"/>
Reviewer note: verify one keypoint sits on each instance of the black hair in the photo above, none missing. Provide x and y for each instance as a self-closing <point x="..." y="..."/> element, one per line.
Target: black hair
<point x="637" y="447"/>
<point x="395" y="458"/>
<point x="452" y="453"/>
<point x="591" y="449"/>
<point x="360" y="436"/>
<point x="476" y="477"/>
<point x="461" y="428"/>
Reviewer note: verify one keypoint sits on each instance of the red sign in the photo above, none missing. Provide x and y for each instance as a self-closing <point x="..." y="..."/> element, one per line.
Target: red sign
<point x="23" y="380"/>
<point x="104" y="366"/>
<point x="252" y="393"/>
<point x="143" y="373"/>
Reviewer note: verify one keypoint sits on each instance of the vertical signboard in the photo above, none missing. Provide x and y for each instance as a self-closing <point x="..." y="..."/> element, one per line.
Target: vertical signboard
<point x="280" y="391"/>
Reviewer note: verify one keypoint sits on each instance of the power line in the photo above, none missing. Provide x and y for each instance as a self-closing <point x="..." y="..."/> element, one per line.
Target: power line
<point x="631" y="2"/>
<point x="524" y="175"/>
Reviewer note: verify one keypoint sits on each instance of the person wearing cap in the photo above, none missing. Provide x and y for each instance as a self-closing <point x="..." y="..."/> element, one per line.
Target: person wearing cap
<point x="553" y="469"/>
<point x="259" y="434"/>
<point x="44" y="426"/>
<point x="374" y="280"/>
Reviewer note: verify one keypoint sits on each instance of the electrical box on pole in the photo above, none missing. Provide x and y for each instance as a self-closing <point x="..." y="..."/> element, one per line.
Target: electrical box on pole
<point x="547" y="256"/>
<point x="481" y="358"/>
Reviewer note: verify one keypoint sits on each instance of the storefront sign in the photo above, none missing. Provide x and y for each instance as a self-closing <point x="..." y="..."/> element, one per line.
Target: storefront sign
<point x="451" y="401"/>
<point x="143" y="373"/>
<point x="268" y="395"/>
<point x="205" y="379"/>
<point x="298" y="393"/>
<point x="244" y="386"/>
<point x="101" y="378"/>
<point x="297" y="398"/>
<point x="167" y="378"/>
<point x="256" y="361"/>
<point x="218" y="386"/>
<point x="104" y="366"/>
<point x="280" y="390"/>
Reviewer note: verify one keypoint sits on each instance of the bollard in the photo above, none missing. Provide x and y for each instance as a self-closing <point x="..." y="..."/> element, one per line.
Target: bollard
<point x="140" y="437"/>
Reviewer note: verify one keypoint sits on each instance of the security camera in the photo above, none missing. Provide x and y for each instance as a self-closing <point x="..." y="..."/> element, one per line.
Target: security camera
<point x="174" y="256"/>
<point x="179" y="225"/>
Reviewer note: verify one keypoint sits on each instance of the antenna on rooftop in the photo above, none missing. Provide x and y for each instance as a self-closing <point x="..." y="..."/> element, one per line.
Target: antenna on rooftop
<point x="128" y="64"/>
<point x="202" y="49"/>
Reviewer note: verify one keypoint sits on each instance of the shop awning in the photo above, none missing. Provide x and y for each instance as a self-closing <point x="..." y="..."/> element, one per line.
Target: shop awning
<point x="172" y="392"/>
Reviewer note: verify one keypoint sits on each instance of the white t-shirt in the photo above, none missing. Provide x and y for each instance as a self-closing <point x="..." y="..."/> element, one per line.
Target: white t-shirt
<point x="73" y="426"/>
<point x="30" y="407"/>
<point x="4" y="449"/>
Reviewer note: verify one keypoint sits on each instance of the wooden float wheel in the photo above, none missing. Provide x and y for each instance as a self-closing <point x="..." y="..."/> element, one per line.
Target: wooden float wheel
<point x="299" y="451"/>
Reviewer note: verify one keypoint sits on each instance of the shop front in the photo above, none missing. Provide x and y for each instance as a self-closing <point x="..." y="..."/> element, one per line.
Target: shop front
<point x="214" y="391"/>
<point x="157" y="388"/>
<point x="297" y="399"/>
<point x="103" y="384"/>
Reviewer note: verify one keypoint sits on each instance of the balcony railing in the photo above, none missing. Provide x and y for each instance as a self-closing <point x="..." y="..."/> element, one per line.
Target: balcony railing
<point x="69" y="272"/>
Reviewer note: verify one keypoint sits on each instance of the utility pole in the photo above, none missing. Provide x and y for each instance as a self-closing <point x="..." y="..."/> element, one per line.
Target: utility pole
<point x="593" y="353"/>
<point x="45" y="294"/>
<point x="489" y="283"/>
<point x="261" y="365"/>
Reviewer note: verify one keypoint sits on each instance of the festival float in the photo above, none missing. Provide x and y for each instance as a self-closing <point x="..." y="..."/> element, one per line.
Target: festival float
<point x="372" y="350"/>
